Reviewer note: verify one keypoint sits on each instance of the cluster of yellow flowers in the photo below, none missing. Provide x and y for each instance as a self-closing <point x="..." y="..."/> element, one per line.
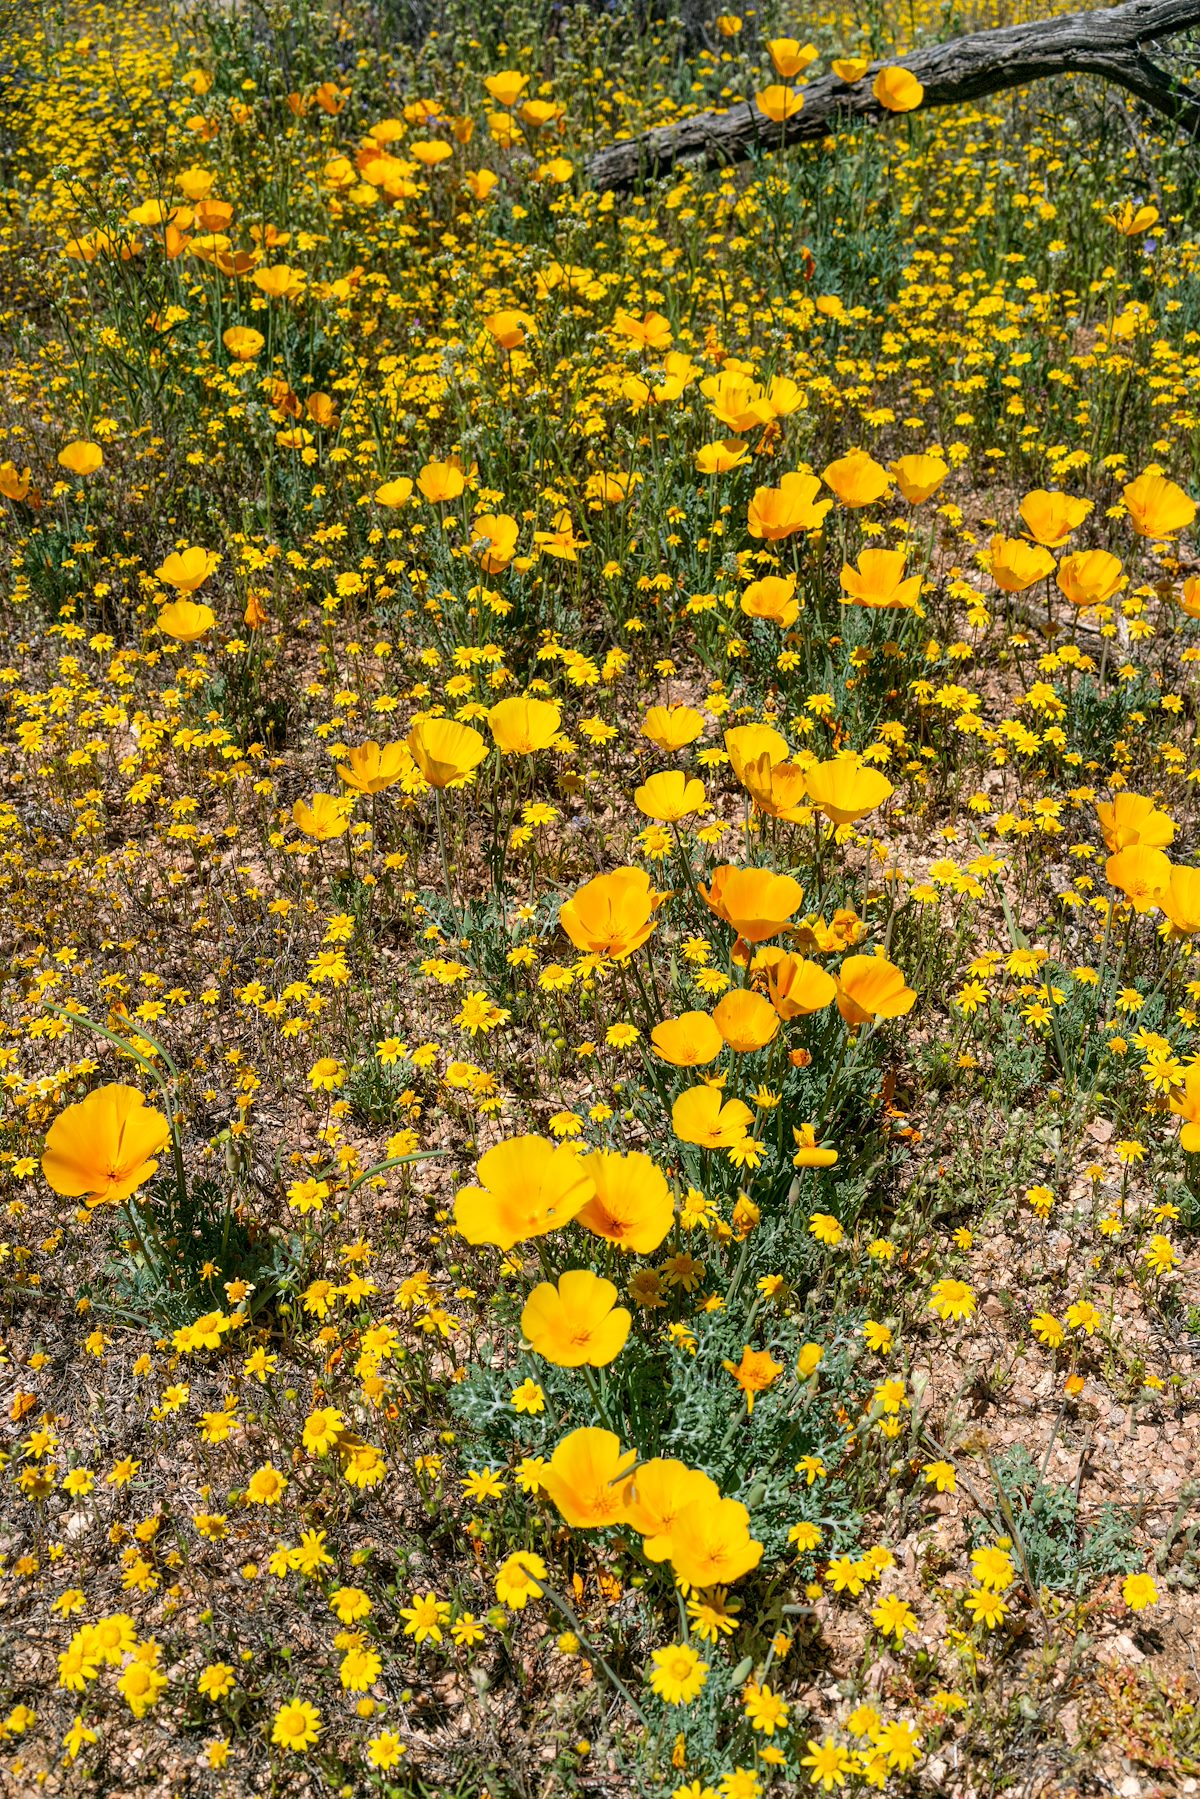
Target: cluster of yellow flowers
<point x="597" y="801"/>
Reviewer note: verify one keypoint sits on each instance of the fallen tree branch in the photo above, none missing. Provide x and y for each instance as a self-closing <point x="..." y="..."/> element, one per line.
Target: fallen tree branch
<point x="1109" y="43"/>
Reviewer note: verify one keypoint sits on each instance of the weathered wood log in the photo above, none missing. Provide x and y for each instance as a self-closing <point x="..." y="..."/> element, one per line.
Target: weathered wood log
<point x="1109" y="43"/>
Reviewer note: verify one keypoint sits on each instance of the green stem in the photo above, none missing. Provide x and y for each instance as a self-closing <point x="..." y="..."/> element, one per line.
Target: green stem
<point x="618" y="1685"/>
<point x="597" y="1397"/>
<point x="423" y="1155"/>
<point x="441" y="837"/>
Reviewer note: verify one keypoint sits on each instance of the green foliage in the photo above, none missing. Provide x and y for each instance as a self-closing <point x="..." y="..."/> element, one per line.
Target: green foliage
<point x="1064" y="1552"/>
<point x="184" y="1247"/>
<point x="1098" y="716"/>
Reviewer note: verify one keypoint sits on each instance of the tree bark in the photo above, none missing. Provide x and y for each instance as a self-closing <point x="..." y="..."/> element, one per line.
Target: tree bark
<point x="1109" y="43"/>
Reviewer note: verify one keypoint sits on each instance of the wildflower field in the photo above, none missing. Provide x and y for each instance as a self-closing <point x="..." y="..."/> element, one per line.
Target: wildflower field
<point x="600" y="865"/>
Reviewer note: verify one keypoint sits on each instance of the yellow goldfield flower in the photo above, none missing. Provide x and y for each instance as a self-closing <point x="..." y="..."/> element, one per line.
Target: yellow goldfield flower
<point x="296" y="1727"/>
